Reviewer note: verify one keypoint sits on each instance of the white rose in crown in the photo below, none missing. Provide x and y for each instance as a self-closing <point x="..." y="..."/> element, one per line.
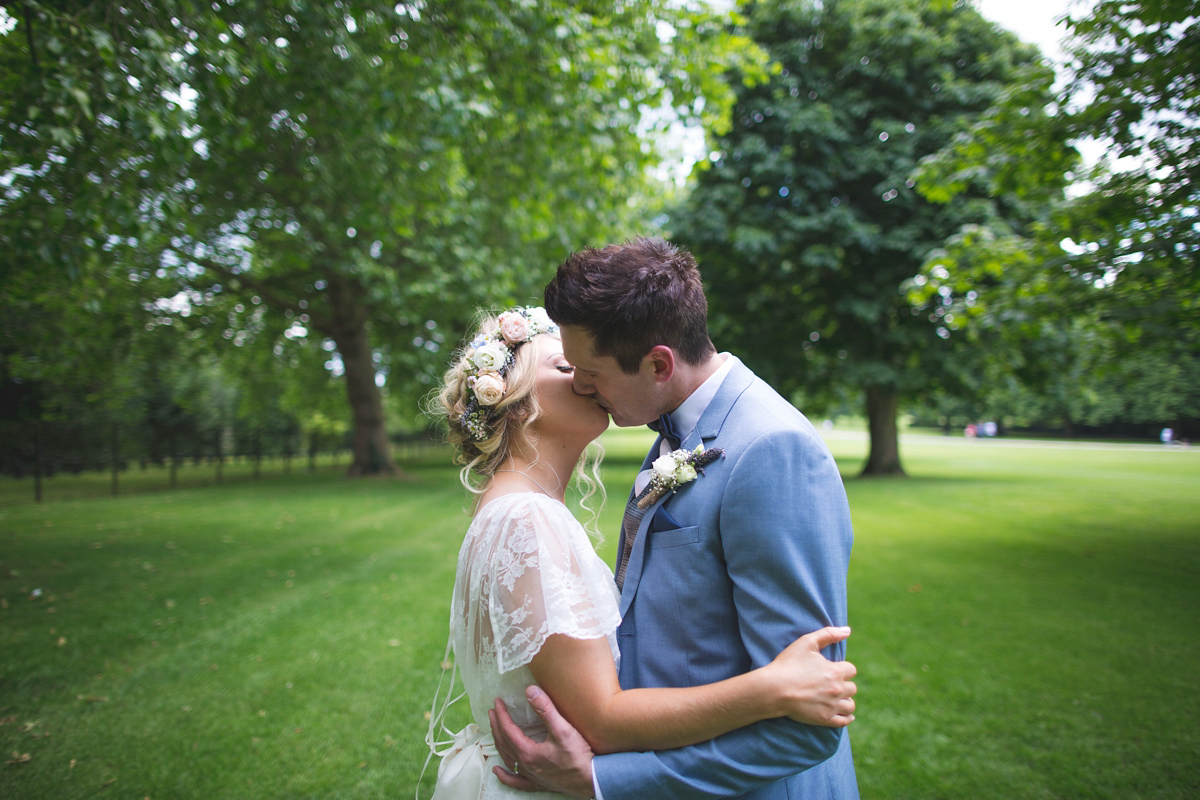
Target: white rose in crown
<point x="541" y="319"/>
<point x="489" y="388"/>
<point x="514" y="327"/>
<point x="490" y="357"/>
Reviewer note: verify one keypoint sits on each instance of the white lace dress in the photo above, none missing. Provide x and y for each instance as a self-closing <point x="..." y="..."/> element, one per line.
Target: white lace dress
<point x="526" y="570"/>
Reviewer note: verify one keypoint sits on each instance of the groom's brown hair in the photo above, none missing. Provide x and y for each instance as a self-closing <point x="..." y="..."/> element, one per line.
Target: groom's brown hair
<point x="631" y="297"/>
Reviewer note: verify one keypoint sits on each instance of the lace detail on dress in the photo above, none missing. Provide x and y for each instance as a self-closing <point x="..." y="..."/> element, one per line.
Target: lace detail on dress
<point x="526" y="571"/>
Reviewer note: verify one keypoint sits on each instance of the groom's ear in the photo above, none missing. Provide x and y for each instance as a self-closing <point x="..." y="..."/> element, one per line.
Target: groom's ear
<point x="662" y="362"/>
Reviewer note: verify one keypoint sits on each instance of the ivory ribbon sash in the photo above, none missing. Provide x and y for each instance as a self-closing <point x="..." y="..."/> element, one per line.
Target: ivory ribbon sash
<point x="464" y="765"/>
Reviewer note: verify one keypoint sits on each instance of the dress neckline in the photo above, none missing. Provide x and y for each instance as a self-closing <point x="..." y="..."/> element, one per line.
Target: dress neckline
<point x="479" y="511"/>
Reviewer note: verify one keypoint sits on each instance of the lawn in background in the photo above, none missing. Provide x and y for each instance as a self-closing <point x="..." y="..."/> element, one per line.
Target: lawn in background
<point x="1025" y="624"/>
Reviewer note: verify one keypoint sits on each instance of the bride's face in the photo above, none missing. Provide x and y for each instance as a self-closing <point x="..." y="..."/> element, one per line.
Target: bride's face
<point x="563" y="412"/>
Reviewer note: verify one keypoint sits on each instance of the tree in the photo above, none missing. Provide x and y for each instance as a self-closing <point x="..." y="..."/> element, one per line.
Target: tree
<point x="374" y="164"/>
<point x="67" y="348"/>
<point x="1136" y="84"/>
<point x="374" y="170"/>
<point x="1117" y="263"/>
<point x="806" y="222"/>
<point x="89" y="119"/>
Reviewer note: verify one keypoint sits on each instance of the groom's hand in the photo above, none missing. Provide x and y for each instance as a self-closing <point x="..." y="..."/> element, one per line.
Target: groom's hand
<point x="562" y="763"/>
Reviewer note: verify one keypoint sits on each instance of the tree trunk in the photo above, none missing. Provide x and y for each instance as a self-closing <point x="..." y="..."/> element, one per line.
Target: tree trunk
<point x="218" y="455"/>
<point x="37" y="463"/>
<point x="371" y="456"/>
<point x="174" y="460"/>
<point x="371" y="452"/>
<point x="884" y="457"/>
<point x="116" y="457"/>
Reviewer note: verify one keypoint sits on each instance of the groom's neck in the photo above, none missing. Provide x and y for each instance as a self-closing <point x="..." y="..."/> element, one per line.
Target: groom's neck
<point x="689" y="377"/>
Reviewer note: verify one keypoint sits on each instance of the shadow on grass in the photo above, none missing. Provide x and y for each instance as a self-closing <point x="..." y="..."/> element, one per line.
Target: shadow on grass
<point x="157" y="479"/>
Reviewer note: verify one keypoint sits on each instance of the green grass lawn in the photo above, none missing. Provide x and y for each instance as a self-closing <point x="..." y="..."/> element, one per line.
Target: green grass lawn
<point x="1026" y="625"/>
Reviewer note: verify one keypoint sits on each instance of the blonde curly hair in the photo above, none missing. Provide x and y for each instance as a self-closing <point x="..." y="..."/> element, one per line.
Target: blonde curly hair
<point x="508" y="421"/>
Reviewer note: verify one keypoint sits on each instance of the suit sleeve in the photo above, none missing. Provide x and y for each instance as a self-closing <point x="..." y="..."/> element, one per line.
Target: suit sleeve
<point x="786" y="535"/>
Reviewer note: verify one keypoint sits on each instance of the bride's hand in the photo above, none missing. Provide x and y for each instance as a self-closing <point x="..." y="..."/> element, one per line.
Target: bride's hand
<point x="813" y="689"/>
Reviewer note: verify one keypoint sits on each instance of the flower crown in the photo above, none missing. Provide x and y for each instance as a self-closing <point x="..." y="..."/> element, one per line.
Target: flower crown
<point x="488" y="359"/>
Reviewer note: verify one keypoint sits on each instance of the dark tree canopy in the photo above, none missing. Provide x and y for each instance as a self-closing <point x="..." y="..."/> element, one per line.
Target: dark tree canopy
<point x="362" y="174"/>
<point x="807" y="223"/>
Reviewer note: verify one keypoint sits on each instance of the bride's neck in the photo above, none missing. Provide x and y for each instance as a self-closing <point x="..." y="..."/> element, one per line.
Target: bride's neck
<point x="539" y="475"/>
<point x="548" y="471"/>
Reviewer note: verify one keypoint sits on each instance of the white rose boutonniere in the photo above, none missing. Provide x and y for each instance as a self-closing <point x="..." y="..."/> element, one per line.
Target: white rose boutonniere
<point x="675" y="469"/>
<point x="665" y="466"/>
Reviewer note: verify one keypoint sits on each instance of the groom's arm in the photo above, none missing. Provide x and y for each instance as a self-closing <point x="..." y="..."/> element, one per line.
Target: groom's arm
<point x="786" y="534"/>
<point x="785" y="531"/>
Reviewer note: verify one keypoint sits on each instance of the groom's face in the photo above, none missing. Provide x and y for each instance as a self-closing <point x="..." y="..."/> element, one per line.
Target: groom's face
<point x="628" y="399"/>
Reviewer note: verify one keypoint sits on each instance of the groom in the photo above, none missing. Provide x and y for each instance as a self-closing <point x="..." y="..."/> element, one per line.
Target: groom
<point x="717" y="577"/>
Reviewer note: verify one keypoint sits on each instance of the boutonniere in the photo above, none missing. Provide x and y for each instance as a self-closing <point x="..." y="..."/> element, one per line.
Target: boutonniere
<point x="674" y="470"/>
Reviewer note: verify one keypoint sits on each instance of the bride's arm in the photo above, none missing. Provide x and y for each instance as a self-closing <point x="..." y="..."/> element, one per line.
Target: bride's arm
<point x="579" y="676"/>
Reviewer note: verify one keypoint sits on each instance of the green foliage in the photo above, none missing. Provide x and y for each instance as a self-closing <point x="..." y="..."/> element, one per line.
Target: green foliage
<point x="997" y="156"/>
<point x="1038" y="347"/>
<point x="425" y="164"/>
<point x="807" y="224"/>
<point x="1109" y="276"/>
<point x="89" y="120"/>
<point x="368" y="173"/>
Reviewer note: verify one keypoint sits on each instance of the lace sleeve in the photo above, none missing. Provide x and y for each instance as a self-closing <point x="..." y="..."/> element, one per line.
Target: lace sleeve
<point x="537" y="575"/>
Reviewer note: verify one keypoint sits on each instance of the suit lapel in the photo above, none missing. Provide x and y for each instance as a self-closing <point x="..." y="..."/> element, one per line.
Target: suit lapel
<point x="707" y="428"/>
<point x="637" y="557"/>
<point x="711" y="421"/>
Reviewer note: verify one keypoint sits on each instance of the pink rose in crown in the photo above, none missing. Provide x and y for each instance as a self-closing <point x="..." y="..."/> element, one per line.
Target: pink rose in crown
<point x="489" y="388"/>
<point x="514" y="327"/>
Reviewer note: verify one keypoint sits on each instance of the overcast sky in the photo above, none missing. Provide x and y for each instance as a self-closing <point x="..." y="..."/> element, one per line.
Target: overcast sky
<point x="1033" y="20"/>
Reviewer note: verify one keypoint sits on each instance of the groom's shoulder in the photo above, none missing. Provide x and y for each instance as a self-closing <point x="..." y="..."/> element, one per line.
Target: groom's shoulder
<point x="760" y="407"/>
<point x="764" y="422"/>
<point x="751" y="414"/>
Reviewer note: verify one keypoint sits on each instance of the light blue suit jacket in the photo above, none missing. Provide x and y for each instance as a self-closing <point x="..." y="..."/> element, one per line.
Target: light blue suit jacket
<point x="726" y="572"/>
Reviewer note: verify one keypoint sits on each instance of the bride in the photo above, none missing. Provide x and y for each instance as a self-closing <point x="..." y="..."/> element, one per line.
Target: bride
<point x="534" y="604"/>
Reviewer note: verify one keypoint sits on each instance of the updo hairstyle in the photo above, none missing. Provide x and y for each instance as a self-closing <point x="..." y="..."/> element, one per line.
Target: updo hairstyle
<point x="507" y="421"/>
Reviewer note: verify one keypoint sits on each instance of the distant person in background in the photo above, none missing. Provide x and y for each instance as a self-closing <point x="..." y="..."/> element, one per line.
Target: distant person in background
<point x="1167" y="435"/>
